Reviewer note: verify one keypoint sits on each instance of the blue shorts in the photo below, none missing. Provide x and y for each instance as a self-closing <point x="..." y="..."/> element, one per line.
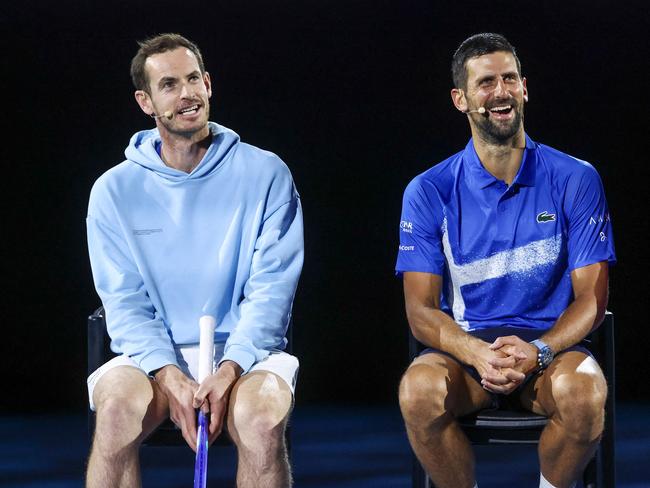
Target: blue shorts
<point x="490" y="335"/>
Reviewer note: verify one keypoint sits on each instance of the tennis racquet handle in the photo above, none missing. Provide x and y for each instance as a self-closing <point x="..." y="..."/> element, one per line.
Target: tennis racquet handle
<point x="207" y="324"/>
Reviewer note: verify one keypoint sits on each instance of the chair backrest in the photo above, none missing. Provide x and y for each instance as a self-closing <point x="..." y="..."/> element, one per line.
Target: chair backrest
<point x="99" y="350"/>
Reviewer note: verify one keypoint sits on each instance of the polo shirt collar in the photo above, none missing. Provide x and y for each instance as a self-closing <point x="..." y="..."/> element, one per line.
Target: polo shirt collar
<point x="480" y="177"/>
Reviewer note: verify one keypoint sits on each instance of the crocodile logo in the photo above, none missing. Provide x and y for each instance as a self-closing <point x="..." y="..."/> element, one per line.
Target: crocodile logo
<point x="545" y="217"/>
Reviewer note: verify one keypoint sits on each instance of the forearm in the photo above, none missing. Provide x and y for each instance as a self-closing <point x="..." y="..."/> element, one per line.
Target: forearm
<point x="582" y="316"/>
<point x="269" y="291"/>
<point x="434" y="328"/>
<point x="166" y="373"/>
<point x="131" y="320"/>
<point x="230" y="370"/>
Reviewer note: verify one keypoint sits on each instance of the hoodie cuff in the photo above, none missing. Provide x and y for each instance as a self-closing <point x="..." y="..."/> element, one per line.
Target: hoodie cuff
<point x="158" y="359"/>
<point x="241" y="356"/>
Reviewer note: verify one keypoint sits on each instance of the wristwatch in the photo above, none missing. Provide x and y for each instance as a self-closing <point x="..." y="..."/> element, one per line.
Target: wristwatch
<point x="544" y="354"/>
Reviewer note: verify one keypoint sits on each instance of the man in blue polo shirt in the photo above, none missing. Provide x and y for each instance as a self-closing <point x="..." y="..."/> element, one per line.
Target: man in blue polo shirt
<point x="504" y="251"/>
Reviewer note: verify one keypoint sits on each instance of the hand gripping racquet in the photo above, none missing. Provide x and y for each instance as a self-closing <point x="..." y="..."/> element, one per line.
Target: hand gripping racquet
<point x="206" y="358"/>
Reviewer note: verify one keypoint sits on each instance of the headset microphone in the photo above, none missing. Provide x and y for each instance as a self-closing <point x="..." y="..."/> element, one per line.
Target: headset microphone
<point x="480" y="110"/>
<point x="169" y="115"/>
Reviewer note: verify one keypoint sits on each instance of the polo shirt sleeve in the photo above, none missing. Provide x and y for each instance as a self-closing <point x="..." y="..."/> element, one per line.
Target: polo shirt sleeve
<point x="590" y="236"/>
<point x="420" y="246"/>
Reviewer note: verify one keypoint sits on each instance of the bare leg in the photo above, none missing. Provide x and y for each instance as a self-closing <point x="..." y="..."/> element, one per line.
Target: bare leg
<point x="572" y="393"/>
<point x="433" y="392"/>
<point x="259" y="408"/>
<point x="129" y="407"/>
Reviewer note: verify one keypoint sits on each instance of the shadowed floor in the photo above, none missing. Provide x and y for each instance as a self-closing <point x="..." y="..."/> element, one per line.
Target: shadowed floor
<point x="352" y="447"/>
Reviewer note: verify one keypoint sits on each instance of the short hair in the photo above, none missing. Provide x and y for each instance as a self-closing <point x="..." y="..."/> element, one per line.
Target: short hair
<point x="474" y="46"/>
<point x="155" y="45"/>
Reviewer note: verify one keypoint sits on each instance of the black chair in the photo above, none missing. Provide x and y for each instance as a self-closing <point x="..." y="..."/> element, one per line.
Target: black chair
<point x="167" y="434"/>
<point x="492" y="426"/>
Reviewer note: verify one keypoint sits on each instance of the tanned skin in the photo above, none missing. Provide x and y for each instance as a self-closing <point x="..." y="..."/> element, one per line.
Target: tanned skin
<point x="436" y="389"/>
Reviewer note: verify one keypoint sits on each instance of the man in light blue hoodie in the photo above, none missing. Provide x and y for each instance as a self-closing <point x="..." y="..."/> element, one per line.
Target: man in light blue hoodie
<point x="193" y="222"/>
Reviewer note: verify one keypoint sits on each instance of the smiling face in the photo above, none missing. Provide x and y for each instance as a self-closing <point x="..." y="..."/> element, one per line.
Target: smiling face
<point x="494" y="82"/>
<point x="177" y="85"/>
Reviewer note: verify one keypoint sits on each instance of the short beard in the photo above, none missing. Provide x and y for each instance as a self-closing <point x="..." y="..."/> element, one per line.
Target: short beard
<point x="499" y="135"/>
<point x="169" y="124"/>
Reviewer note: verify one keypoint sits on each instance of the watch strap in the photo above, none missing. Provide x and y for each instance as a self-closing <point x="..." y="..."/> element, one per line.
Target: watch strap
<point x="544" y="354"/>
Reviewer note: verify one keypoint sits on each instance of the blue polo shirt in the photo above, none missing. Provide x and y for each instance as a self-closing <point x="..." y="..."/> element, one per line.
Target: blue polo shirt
<point x="505" y="253"/>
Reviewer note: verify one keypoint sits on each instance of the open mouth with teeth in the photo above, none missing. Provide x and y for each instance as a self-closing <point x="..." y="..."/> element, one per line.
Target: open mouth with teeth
<point x="191" y="110"/>
<point x="501" y="110"/>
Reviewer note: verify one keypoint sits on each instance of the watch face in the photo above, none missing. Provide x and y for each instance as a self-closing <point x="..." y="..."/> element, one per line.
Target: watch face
<point x="547" y="356"/>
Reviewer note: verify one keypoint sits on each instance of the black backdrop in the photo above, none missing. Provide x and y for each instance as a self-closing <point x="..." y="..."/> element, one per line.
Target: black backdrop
<point x="354" y="96"/>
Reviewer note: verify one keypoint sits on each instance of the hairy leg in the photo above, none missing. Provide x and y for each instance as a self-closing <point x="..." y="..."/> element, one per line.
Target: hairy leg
<point x="258" y="412"/>
<point x="129" y="407"/>
<point x="433" y="392"/>
<point x="572" y="393"/>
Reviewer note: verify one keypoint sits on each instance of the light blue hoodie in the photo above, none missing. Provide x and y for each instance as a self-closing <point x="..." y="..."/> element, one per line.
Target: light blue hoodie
<point x="167" y="247"/>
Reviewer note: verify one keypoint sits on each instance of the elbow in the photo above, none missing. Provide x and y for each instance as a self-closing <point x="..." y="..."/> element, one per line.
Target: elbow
<point x="416" y="323"/>
<point x="600" y="308"/>
<point x="600" y="316"/>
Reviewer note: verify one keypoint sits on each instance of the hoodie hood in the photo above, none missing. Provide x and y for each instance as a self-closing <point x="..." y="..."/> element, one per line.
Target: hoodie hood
<point x="142" y="150"/>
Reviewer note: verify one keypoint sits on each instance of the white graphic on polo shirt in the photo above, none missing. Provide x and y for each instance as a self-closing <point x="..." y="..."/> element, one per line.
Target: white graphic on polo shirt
<point x="603" y="237"/>
<point x="599" y="219"/>
<point x="406" y="226"/>
<point x="406" y="248"/>
<point x="520" y="260"/>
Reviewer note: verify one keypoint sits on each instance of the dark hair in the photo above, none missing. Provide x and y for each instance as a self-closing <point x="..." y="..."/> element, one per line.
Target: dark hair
<point x="478" y="45"/>
<point x="155" y="45"/>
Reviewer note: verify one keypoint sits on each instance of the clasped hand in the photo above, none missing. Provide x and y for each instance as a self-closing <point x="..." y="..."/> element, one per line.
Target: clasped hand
<point x="505" y="364"/>
<point x="185" y="395"/>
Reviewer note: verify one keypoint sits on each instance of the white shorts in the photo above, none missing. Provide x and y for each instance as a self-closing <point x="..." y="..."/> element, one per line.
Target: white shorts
<point x="281" y="363"/>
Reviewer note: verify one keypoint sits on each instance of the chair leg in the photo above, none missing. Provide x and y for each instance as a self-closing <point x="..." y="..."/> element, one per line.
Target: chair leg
<point x="591" y="473"/>
<point x="420" y="477"/>
<point x="607" y="446"/>
<point x="607" y="443"/>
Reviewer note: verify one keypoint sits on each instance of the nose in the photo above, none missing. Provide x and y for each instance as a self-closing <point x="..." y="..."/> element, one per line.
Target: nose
<point x="500" y="88"/>
<point x="185" y="91"/>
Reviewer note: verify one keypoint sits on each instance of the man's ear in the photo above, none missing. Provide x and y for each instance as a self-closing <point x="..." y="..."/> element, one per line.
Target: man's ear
<point x="458" y="97"/>
<point x="208" y="83"/>
<point x="144" y="100"/>
<point x="523" y="82"/>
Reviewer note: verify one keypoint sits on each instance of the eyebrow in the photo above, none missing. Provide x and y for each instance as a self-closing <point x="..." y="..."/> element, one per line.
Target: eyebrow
<point x="165" y="79"/>
<point x="491" y="77"/>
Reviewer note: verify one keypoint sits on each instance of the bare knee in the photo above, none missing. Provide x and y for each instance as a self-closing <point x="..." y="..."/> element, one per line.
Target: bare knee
<point x="123" y="410"/>
<point x="259" y="407"/>
<point x="423" y="395"/>
<point x="580" y="404"/>
<point x="259" y="413"/>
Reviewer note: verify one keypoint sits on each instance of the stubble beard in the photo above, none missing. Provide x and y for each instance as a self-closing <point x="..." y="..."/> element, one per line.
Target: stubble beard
<point x="189" y="133"/>
<point x="500" y="134"/>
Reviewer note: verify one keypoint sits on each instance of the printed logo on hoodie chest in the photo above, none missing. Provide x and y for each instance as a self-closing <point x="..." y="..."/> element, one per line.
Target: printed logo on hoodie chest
<point x="146" y="232"/>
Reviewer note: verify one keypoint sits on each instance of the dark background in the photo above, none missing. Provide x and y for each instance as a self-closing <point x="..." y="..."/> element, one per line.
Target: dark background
<point x="354" y="97"/>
